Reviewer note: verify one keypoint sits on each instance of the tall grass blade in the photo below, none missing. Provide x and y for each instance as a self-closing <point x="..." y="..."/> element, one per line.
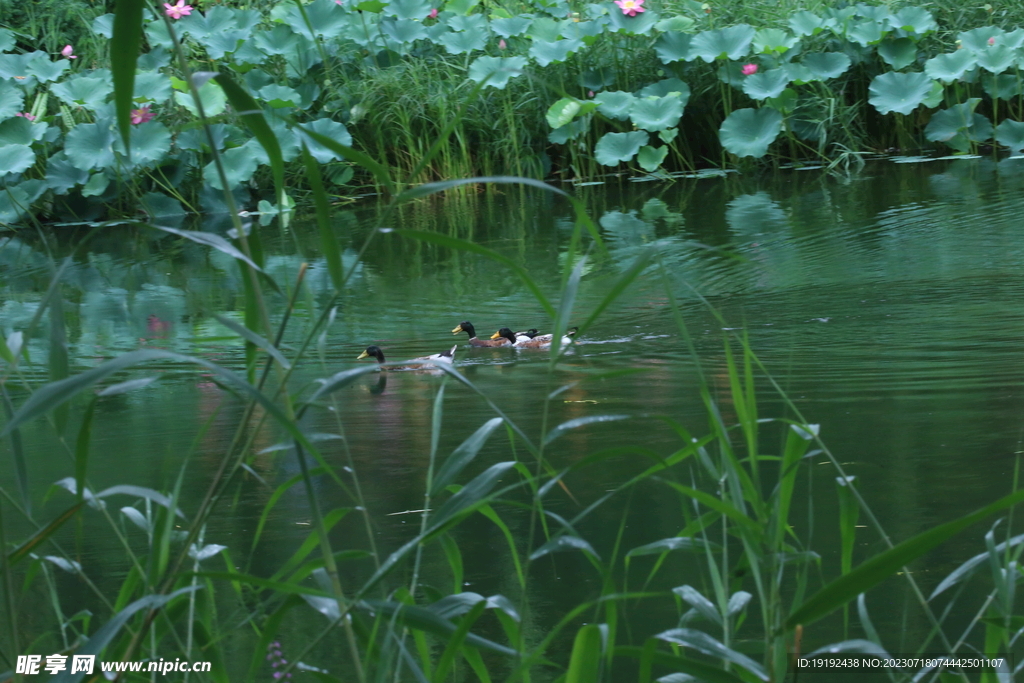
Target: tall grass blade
<point x="425" y="620"/>
<point x="328" y="242"/>
<point x="58" y="353"/>
<point x="17" y="453"/>
<point x="702" y="642"/>
<point x="880" y="567"/>
<point x="26" y="548"/>
<point x="82" y="451"/>
<point x="565" y="305"/>
<point x="124" y="53"/>
<point x="379" y="171"/>
<point x="569" y="425"/>
<point x="463" y="455"/>
<point x="252" y="337"/>
<point x="252" y="115"/>
<point x="585" y="661"/>
<point x="427" y="189"/>
<point x="99" y="640"/>
<point x="217" y="242"/>
<point x="700" y="670"/>
<point x="455" y="641"/>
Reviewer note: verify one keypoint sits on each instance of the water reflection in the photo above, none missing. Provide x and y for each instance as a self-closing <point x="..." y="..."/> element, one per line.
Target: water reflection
<point x="883" y="304"/>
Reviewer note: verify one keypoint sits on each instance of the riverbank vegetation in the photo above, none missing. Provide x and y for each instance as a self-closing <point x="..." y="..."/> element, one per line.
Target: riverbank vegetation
<point x="755" y="593"/>
<point x="544" y="90"/>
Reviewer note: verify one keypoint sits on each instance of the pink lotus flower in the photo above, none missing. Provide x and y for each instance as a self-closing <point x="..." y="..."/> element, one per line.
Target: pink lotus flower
<point x="177" y="10"/>
<point x="26" y="115"/>
<point x="433" y="14"/>
<point x="141" y="115"/>
<point x="502" y="44"/>
<point x="749" y="69"/>
<point x="631" y="7"/>
<point x="992" y="40"/>
<point x="68" y="52"/>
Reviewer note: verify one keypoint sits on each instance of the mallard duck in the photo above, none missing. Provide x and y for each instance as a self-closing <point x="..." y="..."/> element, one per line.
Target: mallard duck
<point x="526" y="334"/>
<point x="468" y="328"/>
<point x="412" y="364"/>
<point x="535" y="342"/>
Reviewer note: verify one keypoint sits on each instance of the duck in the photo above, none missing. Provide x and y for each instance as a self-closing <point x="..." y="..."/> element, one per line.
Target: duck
<point x="535" y="342"/>
<point x="413" y="363"/>
<point x="467" y="327"/>
<point x="526" y="334"/>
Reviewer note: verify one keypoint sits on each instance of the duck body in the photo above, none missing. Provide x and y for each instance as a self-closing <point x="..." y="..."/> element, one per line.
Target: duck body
<point x="534" y="342"/>
<point x="526" y="335"/>
<point x="467" y="327"/>
<point x="413" y="363"/>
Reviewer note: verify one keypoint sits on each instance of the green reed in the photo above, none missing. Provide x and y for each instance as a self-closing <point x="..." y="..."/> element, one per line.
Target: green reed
<point x="737" y="482"/>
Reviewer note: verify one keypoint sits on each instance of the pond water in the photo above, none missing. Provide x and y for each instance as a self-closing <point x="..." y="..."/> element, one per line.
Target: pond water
<point x="885" y="303"/>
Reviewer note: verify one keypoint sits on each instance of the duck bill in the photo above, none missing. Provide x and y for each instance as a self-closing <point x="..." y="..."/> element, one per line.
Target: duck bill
<point x="496" y="335"/>
<point x="457" y="330"/>
<point x="363" y="355"/>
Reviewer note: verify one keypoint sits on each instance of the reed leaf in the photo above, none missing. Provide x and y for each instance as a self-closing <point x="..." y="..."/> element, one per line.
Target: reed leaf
<point x="124" y="54"/>
<point x="252" y="116"/>
<point x="463" y="455"/>
<point x="252" y="337"/>
<point x="585" y="660"/>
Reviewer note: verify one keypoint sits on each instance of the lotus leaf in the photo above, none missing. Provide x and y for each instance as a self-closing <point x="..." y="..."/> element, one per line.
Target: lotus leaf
<point x="12" y="99"/>
<point x="408" y="9"/>
<point x="461" y="7"/>
<point x="650" y="158"/>
<point x="157" y="35"/>
<point x="775" y="40"/>
<point x="676" y="23"/>
<point x="500" y="70"/>
<point x="280" y="96"/>
<point x="951" y="66"/>
<point x="16" y="158"/>
<point x="1013" y="39"/>
<point x="765" y="84"/>
<point x="749" y="132"/>
<point x="366" y="32"/>
<point x="545" y="53"/>
<point x="915" y="20"/>
<point x="96" y="185"/>
<point x="668" y="135"/>
<point x="570" y="131"/>
<point x="597" y="79"/>
<point x="899" y="92"/>
<point x="868" y="32"/>
<point x="976" y="40"/>
<point x="211" y="95"/>
<point x="825" y="65"/>
<point x="566" y="109"/>
<point x="151" y="86"/>
<point x="996" y="58"/>
<point x="195" y="140"/>
<point x="959" y="126"/>
<point x="163" y="210"/>
<point x="786" y="102"/>
<point x="20" y="131"/>
<point x="474" y="22"/>
<point x="219" y="19"/>
<point x="545" y="29"/>
<point x="150" y="142"/>
<point x="614" y="148"/>
<point x="640" y="25"/>
<point x="61" y="174"/>
<point x="461" y="43"/>
<point x="90" y="145"/>
<point x="1001" y="86"/>
<point x="239" y="165"/>
<point x="729" y="43"/>
<point x="804" y="23"/>
<point x="935" y="97"/>
<point x="587" y="31"/>
<point x="666" y="86"/>
<point x="1011" y="134"/>
<point x="514" y="26"/>
<point x="330" y="129"/>
<point x="7" y="41"/>
<point x="672" y="47"/>
<point x="102" y="25"/>
<point x="154" y="60"/>
<point x="225" y="42"/>
<point x="615" y="104"/>
<point x="800" y="73"/>
<point x="403" y="31"/>
<point x="14" y="204"/>
<point x="277" y="41"/>
<point x="898" y="53"/>
<point x="325" y="17"/>
<point x="84" y="91"/>
<point x="657" y="113"/>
